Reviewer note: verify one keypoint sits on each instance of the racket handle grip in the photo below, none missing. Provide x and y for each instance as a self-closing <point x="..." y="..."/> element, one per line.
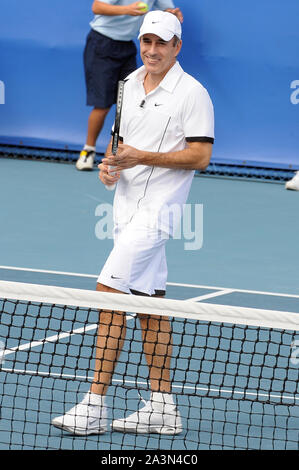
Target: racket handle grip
<point x="110" y="187"/>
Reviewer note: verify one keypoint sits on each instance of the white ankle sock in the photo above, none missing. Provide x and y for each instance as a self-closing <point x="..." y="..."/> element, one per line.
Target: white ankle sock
<point x="89" y="148"/>
<point x="162" y="398"/>
<point x="95" y="399"/>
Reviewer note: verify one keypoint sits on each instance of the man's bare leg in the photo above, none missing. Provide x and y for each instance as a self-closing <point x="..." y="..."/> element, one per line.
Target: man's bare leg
<point x="160" y="414"/>
<point x="110" y="340"/>
<point x="157" y="346"/>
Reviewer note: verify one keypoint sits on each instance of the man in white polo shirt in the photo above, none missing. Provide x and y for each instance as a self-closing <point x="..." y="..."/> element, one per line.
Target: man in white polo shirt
<point x="167" y="129"/>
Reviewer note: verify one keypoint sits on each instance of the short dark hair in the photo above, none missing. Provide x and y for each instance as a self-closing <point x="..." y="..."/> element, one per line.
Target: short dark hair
<point x="176" y="40"/>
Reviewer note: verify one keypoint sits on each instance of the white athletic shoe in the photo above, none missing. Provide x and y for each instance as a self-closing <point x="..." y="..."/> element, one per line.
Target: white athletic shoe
<point x="293" y="183"/>
<point x="159" y="416"/>
<point x="86" y="160"/>
<point x="88" y="417"/>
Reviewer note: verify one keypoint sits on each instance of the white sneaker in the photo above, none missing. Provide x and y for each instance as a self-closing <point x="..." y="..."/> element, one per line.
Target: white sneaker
<point x="88" y="417"/>
<point x="86" y="160"/>
<point x="159" y="416"/>
<point x="293" y="183"/>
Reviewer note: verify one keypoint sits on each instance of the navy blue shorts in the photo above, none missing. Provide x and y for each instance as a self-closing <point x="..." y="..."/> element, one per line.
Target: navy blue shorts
<point x="106" y="61"/>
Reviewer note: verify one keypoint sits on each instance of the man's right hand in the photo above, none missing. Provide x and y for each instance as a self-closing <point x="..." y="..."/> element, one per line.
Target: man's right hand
<point x="106" y="177"/>
<point x="134" y="10"/>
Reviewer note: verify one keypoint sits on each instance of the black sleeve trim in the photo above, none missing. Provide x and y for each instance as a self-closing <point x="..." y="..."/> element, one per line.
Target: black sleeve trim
<point x="200" y="139"/>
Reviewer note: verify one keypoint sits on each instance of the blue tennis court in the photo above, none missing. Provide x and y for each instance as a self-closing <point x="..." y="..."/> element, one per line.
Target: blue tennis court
<point x="247" y="260"/>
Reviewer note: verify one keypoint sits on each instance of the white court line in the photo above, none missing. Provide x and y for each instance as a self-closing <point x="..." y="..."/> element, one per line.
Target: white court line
<point x="195" y="286"/>
<point x="52" y="339"/>
<point x="45" y="271"/>
<point x="245" y="291"/>
<point x="212" y="295"/>
<point x="176" y="386"/>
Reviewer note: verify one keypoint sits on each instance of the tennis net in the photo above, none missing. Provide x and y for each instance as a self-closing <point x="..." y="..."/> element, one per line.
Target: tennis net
<point x="234" y="371"/>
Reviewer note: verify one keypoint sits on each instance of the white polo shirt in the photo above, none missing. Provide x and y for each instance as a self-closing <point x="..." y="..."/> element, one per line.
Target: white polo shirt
<point x="179" y="110"/>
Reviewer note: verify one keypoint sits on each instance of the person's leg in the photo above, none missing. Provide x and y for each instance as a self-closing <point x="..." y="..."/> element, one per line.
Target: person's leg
<point x="95" y="123"/>
<point x="137" y="265"/>
<point x="100" y="90"/>
<point x="90" y="415"/>
<point x="160" y="414"/>
<point x="157" y="347"/>
<point x="110" y="339"/>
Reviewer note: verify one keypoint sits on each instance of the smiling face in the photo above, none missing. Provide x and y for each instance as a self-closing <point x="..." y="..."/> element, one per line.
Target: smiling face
<point x="158" y="55"/>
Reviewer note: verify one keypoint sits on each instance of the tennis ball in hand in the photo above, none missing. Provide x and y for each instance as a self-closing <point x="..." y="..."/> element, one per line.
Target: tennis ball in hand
<point x="143" y="7"/>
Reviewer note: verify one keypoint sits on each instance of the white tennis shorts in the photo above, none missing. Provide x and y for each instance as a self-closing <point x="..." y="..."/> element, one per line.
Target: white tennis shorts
<point x="137" y="262"/>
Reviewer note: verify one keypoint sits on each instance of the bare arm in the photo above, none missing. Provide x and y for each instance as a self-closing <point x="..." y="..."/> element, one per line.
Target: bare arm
<point x="196" y="156"/>
<point x="101" y="8"/>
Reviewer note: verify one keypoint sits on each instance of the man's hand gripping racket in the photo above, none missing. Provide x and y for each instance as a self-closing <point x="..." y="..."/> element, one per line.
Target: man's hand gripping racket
<point x="115" y="135"/>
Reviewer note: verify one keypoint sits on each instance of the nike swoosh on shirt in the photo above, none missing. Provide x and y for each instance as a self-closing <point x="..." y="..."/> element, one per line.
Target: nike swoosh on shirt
<point x="158" y="104"/>
<point x="114" y="277"/>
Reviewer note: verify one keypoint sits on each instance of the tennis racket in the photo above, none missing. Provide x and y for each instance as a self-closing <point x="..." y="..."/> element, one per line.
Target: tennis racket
<point x="115" y="135"/>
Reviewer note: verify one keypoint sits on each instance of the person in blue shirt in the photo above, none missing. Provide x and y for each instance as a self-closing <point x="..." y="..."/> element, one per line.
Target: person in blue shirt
<point x="110" y="56"/>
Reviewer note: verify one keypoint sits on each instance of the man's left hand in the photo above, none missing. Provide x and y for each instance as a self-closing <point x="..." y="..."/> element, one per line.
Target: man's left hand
<point x="126" y="157"/>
